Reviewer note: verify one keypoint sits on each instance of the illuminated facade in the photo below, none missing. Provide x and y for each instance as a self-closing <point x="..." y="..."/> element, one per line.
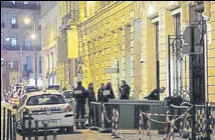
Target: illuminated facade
<point x="49" y="31"/>
<point x="133" y="37"/>
<point x="67" y="42"/>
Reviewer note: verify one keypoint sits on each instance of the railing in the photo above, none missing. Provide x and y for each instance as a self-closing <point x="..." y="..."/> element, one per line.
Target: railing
<point x="7" y="4"/>
<point x="17" y="47"/>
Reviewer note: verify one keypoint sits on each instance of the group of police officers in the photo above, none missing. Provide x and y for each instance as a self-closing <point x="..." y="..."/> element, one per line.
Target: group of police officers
<point x="104" y="94"/>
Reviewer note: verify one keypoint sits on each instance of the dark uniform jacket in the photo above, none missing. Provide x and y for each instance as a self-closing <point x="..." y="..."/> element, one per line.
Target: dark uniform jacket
<point x="108" y="94"/>
<point x="91" y="95"/>
<point x="154" y="95"/>
<point x="80" y="94"/>
<point x="125" y="91"/>
<point x="100" y="95"/>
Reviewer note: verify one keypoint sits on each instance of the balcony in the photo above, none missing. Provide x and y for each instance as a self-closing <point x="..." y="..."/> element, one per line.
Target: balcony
<point x="14" y="26"/>
<point x="19" y="5"/>
<point x="30" y="48"/>
<point x="17" y="48"/>
<point x="3" y="25"/>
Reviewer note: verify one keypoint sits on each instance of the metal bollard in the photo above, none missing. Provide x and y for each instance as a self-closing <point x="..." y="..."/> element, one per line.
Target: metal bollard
<point x="8" y="124"/>
<point x="11" y="125"/>
<point x="29" y="127"/>
<point x="14" y="127"/>
<point x="4" y="115"/>
<point x="45" y="131"/>
<point x="54" y="135"/>
<point x="36" y="128"/>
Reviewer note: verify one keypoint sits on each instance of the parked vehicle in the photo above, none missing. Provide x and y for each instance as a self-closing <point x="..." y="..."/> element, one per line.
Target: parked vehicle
<point x="45" y="107"/>
<point x="68" y="94"/>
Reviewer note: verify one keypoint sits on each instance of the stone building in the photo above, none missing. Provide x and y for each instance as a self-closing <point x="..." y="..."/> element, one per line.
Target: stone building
<point x="129" y="41"/>
<point x="17" y="48"/>
<point x="49" y="32"/>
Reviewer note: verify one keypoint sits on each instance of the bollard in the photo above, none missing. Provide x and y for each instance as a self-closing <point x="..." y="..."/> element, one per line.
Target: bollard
<point x="29" y="127"/>
<point x="54" y="135"/>
<point x="14" y="127"/>
<point x="36" y="128"/>
<point x="4" y="115"/>
<point x="24" y="121"/>
<point x="11" y="126"/>
<point x="45" y="131"/>
<point x="115" y="123"/>
<point x="140" y="125"/>
<point x="8" y="124"/>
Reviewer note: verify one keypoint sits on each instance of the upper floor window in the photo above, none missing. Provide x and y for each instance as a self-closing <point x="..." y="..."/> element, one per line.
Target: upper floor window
<point x="27" y="41"/>
<point x="14" y="40"/>
<point x="177" y="23"/>
<point x="26" y="2"/>
<point x="13" y="2"/>
<point x="13" y="19"/>
<point x="11" y="64"/>
<point x="2" y="18"/>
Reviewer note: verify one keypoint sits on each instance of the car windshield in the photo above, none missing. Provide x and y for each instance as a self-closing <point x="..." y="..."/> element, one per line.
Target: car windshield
<point x="68" y="94"/>
<point x="46" y="99"/>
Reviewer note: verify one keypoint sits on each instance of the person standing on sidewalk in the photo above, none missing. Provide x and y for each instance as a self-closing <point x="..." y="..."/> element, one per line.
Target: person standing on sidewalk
<point x="100" y="95"/>
<point x="108" y="92"/>
<point x="80" y="96"/>
<point x="91" y="98"/>
<point x="124" y="90"/>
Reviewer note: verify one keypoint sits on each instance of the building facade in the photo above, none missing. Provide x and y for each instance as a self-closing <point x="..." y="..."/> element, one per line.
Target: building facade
<point x="49" y="32"/>
<point x="67" y="44"/>
<point x="129" y="41"/>
<point x="17" y="48"/>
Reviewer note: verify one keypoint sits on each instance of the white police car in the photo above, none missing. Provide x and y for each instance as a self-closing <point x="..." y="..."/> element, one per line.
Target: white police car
<point x="47" y="108"/>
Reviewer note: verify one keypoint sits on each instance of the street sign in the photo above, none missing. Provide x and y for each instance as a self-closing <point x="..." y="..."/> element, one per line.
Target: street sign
<point x="187" y="35"/>
<point x="198" y="49"/>
<point x="111" y="70"/>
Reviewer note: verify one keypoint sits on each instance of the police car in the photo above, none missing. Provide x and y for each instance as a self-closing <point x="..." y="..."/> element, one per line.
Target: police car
<point x="49" y="108"/>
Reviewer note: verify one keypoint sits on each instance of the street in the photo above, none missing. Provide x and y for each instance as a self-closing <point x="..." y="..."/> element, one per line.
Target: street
<point x="92" y="135"/>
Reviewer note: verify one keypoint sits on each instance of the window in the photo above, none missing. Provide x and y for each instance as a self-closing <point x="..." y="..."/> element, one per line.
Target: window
<point x="46" y="99"/>
<point x="13" y="19"/>
<point x="177" y="58"/>
<point x="2" y="36"/>
<point x="157" y="54"/>
<point x="11" y="64"/>
<point x="2" y="18"/>
<point x="14" y="40"/>
<point x="26" y="2"/>
<point x="40" y="64"/>
<point x="28" y="63"/>
<point x="27" y="42"/>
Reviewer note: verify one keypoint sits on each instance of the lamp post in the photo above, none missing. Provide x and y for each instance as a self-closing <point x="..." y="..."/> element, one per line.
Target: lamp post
<point x="33" y="37"/>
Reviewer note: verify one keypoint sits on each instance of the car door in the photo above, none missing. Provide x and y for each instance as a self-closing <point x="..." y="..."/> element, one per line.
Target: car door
<point x="19" y="115"/>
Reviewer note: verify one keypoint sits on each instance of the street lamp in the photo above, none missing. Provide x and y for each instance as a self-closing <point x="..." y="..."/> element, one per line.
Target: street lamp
<point x="27" y="21"/>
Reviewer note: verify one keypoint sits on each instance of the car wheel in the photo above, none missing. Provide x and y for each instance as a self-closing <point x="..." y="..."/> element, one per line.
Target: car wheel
<point x="70" y="129"/>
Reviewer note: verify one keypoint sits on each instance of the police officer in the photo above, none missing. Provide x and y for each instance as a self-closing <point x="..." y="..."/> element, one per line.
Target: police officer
<point x="91" y="98"/>
<point x="100" y="95"/>
<point x="124" y="90"/>
<point x="80" y="96"/>
<point x="154" y="95"/>
<point x="108" y="92"/>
